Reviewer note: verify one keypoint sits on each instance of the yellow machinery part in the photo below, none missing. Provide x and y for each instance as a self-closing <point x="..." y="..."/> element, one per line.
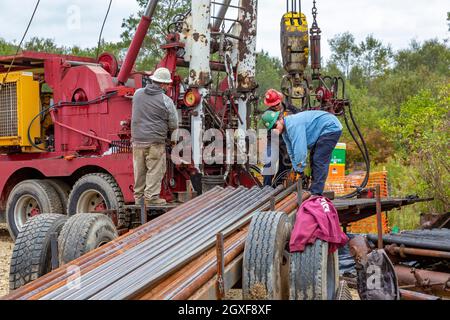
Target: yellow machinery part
<point x="19" y="104"/>
<point x="294" y="42"/>
<point x="295" y="21"/>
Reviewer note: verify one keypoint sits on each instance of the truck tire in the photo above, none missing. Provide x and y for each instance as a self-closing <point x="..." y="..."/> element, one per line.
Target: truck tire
<point x="95" y="192"/>
<point x="83" y="233"/>
<point x="265" y="266"/>
<point x="31" y="257"/>
<point x="314" y="273"/>
<point x="28" y="199"/>
<point x="63" y="190"/>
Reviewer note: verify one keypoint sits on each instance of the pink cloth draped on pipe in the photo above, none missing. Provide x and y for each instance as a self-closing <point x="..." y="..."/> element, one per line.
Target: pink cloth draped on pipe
<point x="317" y="219"/>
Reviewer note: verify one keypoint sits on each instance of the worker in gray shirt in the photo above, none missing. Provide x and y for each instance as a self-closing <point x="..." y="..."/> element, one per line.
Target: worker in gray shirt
<point x="154" y="117"/>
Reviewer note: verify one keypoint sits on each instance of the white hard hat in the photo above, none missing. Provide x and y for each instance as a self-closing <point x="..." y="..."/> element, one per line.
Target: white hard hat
<point x="162" y="75"/>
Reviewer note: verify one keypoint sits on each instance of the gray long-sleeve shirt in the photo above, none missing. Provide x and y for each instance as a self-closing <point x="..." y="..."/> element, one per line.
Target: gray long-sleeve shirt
<point x="154" y="116"/>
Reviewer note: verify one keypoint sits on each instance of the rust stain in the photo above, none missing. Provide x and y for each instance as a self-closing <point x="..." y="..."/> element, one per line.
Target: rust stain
<point x="196" y="36"/>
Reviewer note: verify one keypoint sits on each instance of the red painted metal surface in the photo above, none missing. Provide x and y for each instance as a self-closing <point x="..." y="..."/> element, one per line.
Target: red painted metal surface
<point x="134" y="49"/>
<point x="83" y="134"/>
<point x="54" y="165"/>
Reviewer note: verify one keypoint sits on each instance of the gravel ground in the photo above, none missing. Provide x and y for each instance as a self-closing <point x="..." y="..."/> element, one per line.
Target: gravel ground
<point x="6" y="247"/>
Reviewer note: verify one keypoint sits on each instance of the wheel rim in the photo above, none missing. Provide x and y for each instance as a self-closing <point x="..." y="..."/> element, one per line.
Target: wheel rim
<point x="26" y="207"/>
<point x="91" y="201"/>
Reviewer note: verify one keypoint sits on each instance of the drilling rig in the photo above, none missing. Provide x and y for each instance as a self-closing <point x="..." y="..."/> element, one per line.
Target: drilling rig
<point x="65" y="126"/>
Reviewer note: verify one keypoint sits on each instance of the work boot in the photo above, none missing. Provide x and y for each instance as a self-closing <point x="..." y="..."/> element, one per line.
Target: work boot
<point x="155" y="202"/>
<point x="306" y="195"/>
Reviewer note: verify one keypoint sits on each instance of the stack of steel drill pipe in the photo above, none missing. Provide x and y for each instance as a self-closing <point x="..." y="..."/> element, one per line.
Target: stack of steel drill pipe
<point x="417" y="241"/>
<point x="117" y="247"/>
<point x="229" y="259"/>
<point x="143" y="278"/>
<point x="95" y="280"/>
<point x="183" y="284"/>
<point x="141" y="248"/>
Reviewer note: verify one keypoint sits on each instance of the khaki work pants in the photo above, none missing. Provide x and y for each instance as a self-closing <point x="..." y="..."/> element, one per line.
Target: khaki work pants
<point x="149" y="170"/>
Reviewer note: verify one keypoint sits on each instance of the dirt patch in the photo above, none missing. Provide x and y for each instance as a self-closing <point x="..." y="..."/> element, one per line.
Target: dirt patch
<point x="6" y="247"/>
<point x="234" y="295"/>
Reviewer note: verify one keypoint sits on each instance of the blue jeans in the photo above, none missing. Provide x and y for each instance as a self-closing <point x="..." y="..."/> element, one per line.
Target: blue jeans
<point x="320" y="155"/>
<point x="284" y="162"/>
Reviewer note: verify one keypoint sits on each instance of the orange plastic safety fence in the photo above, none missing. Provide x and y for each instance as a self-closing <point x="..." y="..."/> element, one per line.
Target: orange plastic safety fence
<point x="343" y="185"/>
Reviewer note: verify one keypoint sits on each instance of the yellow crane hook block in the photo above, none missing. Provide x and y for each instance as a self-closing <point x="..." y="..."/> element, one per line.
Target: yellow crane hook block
<point x="294" y="42"/>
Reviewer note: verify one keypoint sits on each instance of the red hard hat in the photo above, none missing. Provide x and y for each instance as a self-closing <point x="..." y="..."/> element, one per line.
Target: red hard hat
<point x="273" y="98"/>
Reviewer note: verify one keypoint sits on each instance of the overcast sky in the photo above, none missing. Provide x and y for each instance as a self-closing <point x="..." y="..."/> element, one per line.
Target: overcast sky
<point x="396" y="22"/>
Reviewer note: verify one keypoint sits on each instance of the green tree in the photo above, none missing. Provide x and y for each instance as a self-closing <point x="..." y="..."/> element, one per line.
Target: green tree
<point x="431" y="55"/>
<point x="44" y="45"/>
<point x="421" y="137"/>
<point x="344" y="51"/>
<point x="166" y="11"/>
<point x="373" y="57"/>
<point x="269" y="73"/>
<point x="6" y="48"/>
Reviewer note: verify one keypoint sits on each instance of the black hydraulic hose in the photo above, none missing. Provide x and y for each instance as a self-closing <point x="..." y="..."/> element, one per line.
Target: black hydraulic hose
<point x="29" y="128"/>
<point x="363" y="149"/>
<point x="366" y="151"/>
<point x="103" y="27"/>
<point x="280" y="177"/>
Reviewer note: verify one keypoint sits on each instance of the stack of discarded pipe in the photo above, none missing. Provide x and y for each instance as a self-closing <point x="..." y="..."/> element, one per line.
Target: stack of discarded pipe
<point x="436" y="239"/>
<point x="131" y="266"/>
<point x="427" y="249"/>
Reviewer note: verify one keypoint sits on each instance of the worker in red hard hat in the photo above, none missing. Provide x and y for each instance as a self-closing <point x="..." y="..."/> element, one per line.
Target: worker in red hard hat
<point x="154" y="117"/>
<point x="273" y="100"/>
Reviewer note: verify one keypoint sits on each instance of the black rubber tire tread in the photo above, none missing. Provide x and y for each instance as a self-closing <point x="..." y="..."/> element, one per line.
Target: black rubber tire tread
<point x="83" y="233"/>
<point x="31" y="257"/>
<point x="63" y="190"/>
<point x="310" y="275"/>
<point x="42" y="191"/>
<point x="263" y="258"/>
<point x="107" y="186"/>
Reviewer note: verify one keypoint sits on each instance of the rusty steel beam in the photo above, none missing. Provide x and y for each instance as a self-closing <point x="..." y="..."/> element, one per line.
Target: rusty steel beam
<point x="412" y="295"/>
<point x="220" y="289"/>
<point x="379" y="217"/>
<point x="246" y="72"/>
<point x="437" y="283"/>
<point x="233" y="274"/>
<point x="403" y="252"/>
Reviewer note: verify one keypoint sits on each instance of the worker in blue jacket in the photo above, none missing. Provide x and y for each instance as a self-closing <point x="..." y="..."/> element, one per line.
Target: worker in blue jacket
<point x="317" y="131"/>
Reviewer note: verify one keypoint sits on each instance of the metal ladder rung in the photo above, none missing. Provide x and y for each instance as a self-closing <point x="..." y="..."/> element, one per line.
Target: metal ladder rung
<point x="228" y="6"/>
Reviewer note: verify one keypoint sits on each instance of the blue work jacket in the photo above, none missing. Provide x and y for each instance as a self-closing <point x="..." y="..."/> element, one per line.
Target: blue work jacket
<point x="302" y="131"/>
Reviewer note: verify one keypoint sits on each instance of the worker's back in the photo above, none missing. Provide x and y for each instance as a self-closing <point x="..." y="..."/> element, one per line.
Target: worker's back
<point x="150" y="119"/>
<point x="312" y="124"/>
